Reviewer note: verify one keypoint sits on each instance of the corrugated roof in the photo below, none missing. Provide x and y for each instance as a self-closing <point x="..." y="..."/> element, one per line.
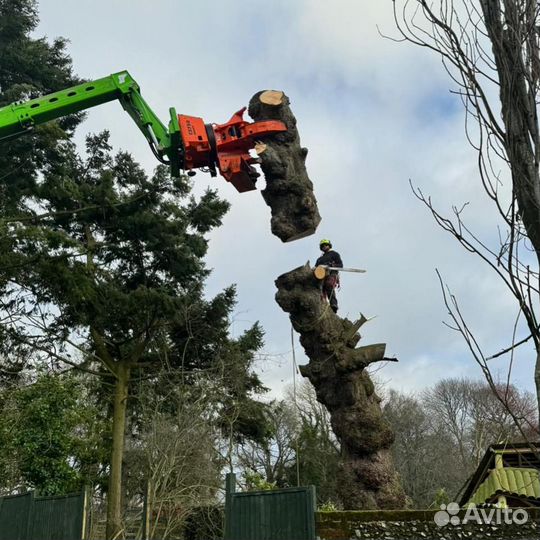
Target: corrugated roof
<point x="521" y="482"/>
<point x="530" y="451"/>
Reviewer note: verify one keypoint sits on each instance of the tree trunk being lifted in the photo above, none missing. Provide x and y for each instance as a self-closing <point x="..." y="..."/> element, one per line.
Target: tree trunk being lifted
<point x="368" y="479"/>
<point x="289" y="191"/>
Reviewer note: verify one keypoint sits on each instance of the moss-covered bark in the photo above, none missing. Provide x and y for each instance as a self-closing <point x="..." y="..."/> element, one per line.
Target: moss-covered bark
<point x="368" y="479"/>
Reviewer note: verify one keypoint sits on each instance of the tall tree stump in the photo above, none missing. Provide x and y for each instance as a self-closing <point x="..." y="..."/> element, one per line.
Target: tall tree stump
<point x="336" y="368"/>
<point x="289" y="191"/>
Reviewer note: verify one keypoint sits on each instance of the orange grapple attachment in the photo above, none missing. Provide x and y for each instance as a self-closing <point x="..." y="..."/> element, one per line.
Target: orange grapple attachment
<point x="225" y="146"/>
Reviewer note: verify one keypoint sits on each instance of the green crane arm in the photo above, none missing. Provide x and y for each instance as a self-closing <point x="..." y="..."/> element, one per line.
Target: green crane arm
<point x="166" y="143"/>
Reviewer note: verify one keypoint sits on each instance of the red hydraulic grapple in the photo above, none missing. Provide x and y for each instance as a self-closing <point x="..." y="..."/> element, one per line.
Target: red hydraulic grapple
<point x="225" y="146"/>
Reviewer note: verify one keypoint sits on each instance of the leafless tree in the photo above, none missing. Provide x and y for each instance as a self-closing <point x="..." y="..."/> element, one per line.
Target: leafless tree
<point x="301" y="447"/>
<point x="310" y="411"/>
<point x="490" y="49"/>
<point x="474" y="416"/>
<point x="178" y="448"/>
<point x="272" y="457"/>
<point x="426" y="457"/>
<point x="443" y="433"/>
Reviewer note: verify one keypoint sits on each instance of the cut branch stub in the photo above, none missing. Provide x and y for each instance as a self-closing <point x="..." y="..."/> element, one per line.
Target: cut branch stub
<point x="289" y="191"/>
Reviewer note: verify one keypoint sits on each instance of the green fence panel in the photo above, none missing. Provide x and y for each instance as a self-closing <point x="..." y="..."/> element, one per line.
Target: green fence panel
<point x="14" y="513"/>
<point x="25" y="517"/>
<point x="284" y="514"/>
<point x="58" y="518"/>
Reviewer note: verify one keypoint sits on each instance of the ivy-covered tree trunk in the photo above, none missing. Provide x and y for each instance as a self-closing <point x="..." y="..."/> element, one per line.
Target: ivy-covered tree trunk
<point x="337" y="370"/>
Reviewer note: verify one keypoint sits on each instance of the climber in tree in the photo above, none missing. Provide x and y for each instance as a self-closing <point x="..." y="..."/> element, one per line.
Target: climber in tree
<point x="332" y="259"/>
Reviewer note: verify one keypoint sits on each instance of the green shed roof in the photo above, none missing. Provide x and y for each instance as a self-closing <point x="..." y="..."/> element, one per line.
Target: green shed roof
<point x="520" y="482"/>
<point x="517" y="454"/>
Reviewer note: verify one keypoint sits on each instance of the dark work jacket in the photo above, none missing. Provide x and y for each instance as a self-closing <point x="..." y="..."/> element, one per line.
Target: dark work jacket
<point x="330" y="258"/>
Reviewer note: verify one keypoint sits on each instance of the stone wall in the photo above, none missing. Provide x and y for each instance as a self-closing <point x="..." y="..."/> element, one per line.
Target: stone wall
<point x="417" y="525"/>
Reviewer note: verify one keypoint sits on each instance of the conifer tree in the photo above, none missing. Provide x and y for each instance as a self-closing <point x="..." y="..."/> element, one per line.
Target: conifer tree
<point x="101" y="266"/>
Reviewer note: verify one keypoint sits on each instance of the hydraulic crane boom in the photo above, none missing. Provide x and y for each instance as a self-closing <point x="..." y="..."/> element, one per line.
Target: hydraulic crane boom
<point x="187" y="143"/>
<point x="18" y="118"/>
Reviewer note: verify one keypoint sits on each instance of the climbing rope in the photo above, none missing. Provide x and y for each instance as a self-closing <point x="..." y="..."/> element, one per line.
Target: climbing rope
<point x="295" y="368"/>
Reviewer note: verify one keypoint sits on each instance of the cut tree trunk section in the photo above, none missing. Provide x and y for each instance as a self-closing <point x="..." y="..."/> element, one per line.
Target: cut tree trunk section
<point x="289" y="191"/>
<point x="336" y="368"/>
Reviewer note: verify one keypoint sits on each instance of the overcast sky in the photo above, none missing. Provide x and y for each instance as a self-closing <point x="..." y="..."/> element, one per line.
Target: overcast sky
<point x="373" y="113"/>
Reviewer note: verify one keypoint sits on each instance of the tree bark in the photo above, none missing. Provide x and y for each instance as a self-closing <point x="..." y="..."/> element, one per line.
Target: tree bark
<point x="368" y="479"/>
<point x="289" y="191"/>
<point x="114" y="494"/>
<point x="513" y="35"/>
<point x="537" y="380"/>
